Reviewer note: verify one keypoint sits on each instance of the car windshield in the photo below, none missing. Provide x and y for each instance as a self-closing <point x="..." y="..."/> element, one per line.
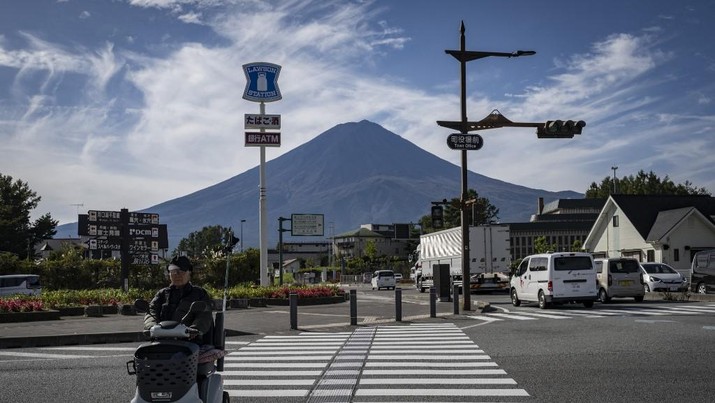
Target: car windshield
<point x="658" y="269"/>
<point x="572" y="263"/>
<point x="624" y="266"/>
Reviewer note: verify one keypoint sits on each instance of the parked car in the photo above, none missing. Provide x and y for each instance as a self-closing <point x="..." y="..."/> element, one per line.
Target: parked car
<point x="383" y="279"/>
<point x="661" y="277"/>
<point x="702" y="272"/>
<point x="398" y="277"/>
<point x="619" y="277"/>
<point x="555" y="278"/>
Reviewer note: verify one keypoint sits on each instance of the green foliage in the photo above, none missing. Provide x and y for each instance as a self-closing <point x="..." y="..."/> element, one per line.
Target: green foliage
<point x="204" y="243"/>
<point x="643" y="184"/>
<point x="541" y="246"/>
<point x="480" y="212"/>
<point x="17" y="233"/>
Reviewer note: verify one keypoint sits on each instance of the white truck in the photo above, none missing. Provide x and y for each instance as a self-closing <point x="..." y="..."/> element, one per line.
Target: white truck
<point x="489" y="252"/>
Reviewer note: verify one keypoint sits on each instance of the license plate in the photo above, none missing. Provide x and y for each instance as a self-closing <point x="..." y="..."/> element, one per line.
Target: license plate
<point x="625" y="283"/>
<point x="575" y="286"/>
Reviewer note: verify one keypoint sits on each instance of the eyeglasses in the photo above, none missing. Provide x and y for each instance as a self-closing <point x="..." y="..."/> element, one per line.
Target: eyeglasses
<point x="175" y="272"/>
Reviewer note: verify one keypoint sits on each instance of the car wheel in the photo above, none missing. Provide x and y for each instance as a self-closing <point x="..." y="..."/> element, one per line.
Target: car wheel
<point x="542" y="300"/>
<point x="638" y="298"/>
<point x="702" y="289"/>
<point x="226" y="398"/>
<point x="514" y="298"/>
<point x="588" y="304"/>
<point x="603" y="296"/>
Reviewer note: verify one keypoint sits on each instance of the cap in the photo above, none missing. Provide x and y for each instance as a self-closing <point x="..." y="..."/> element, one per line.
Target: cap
<point x="182" y="263"/>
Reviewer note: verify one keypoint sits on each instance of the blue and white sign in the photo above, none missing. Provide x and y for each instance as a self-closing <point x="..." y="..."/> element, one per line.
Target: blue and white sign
<point x="262" y="82"/>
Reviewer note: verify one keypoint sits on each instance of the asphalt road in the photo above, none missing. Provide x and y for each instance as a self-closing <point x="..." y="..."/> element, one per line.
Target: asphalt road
<point x="620" y="352"/>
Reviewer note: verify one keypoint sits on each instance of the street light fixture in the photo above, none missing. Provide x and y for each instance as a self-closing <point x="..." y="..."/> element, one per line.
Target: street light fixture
<point x="464" y="141"/>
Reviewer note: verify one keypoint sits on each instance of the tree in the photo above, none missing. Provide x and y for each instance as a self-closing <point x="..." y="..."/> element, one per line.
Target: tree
<point x="198" y="244"/>
<point x="17" y="234"/>
<point x="541" y="246"/>
<point x="479" y="212"/>
<point x="643" y="184"/>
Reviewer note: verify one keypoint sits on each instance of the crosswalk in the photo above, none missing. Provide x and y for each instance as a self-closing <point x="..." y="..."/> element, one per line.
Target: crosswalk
<point x="599" y="311"/>
<point x="414" y="363"/>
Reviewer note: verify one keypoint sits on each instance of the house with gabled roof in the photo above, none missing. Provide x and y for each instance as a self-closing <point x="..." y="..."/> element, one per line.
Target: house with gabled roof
<point x="654" y="228"/>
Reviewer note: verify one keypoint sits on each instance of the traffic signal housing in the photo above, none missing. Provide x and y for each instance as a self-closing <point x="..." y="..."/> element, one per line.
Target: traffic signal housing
<point x="559" y="129"/>
<point x="437" y="217"/>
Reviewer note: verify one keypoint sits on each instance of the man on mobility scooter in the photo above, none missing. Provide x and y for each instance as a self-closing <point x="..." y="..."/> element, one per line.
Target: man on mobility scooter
<point x="178" y="364"/>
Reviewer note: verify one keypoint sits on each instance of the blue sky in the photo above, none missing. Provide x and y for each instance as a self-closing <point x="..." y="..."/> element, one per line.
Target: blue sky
<point x="116" y="104"/>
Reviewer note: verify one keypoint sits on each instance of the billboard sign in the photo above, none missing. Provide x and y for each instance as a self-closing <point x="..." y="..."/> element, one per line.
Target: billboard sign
<point x="254" y="139"/>
<point x="258" y="121"/>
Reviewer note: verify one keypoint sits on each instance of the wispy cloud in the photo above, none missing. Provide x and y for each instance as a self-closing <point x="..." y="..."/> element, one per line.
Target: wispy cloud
<point x="181" y="130"/>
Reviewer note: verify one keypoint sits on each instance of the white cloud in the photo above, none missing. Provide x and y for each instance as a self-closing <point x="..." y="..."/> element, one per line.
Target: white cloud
<point x="186" y="130"/>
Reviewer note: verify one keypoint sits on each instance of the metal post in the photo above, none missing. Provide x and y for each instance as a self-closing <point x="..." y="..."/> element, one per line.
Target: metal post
<point x="455" y="299"/>
<point x="353" y="307"/>
<point x="293" y="301"/>
<point x="124" y="251"/>
<point x="463" y="201"/>
<point x="398" y="304"/>
<point x="242" y="221"/>
<point x="262" y="214"/>
<point x="432" y="302"/>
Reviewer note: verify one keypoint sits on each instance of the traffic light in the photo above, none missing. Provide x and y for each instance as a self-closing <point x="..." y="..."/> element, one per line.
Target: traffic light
<point x="558" y="129"/>
<point x="437" y="217"/>
<point x="230" y="240"/>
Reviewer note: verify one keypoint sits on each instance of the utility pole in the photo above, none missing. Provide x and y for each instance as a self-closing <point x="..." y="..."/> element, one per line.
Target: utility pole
<point x="614" y="168"/>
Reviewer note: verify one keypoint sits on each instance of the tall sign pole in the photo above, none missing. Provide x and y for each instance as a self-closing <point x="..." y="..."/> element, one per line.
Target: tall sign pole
<point x="262" y="87"/>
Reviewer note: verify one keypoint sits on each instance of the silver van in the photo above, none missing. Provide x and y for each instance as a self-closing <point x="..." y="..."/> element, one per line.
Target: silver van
<point x="619" y="278"/>
<point x="383" y="279"/>
<point x="24" y="284"/>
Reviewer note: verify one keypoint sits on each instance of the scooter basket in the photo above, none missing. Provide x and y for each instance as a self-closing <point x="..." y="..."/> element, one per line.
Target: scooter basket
<point x="165" y="370"/>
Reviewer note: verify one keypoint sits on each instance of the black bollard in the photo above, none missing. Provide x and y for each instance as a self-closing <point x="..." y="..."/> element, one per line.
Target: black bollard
<point x="455" y="299"/>
<point x="293" y="301"/>
<point x="353" y="307"/>
<point x="432" y="302"/>
<point x="398" y="304"/>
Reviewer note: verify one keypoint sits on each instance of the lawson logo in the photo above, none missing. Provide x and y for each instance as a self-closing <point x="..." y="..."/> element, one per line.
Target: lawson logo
<point x="262" y="82"/>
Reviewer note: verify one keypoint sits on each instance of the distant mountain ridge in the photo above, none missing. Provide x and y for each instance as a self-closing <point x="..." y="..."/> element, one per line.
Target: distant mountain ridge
<point x="353" y="173"/>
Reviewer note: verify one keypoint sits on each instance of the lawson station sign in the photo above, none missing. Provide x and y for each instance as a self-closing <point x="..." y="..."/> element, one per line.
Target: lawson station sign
<point x="262" y="82"/>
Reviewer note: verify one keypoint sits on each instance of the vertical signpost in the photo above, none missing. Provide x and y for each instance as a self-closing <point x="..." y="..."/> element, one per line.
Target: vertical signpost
<point x="262" y="87"/>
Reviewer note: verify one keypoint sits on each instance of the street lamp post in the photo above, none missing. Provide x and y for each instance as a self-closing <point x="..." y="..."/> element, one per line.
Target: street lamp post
<point x="614" y="168"/>
<point x="464" y="127"/>
<point x="242" y="221"/>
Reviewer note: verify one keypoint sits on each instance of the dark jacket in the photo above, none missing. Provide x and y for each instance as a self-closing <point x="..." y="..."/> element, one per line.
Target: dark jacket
<point x="173" y="303"/>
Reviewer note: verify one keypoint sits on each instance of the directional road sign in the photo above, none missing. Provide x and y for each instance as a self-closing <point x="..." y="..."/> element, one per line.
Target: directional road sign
<point x="307" y="225"/>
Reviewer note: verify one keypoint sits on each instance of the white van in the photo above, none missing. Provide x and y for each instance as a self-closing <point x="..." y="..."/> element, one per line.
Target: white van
<point x="619" y="277"/>
<point x="25" y="284"/>
<point x="555" y="278"/>
<point x="383" y="279"/>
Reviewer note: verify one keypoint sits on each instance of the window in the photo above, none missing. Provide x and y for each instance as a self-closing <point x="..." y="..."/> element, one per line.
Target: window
<point x="650" y="255"/>
<point x="676" y="255"/>
<point x="615" y="220"/>
<point x="573" y="263"/>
